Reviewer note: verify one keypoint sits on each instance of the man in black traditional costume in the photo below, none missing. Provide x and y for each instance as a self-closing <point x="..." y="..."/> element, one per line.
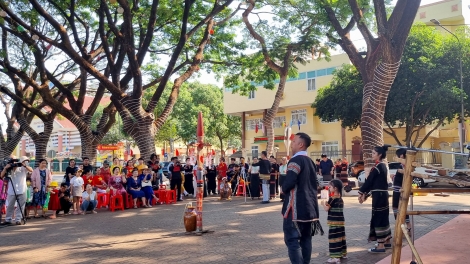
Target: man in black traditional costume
<point x="300" y="207"/>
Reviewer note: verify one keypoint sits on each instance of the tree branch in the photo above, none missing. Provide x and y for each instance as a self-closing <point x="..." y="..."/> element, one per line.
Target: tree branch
<point x="259" y="38"/>
<point x="392" y="133"/>
<point x="431" y="131"/>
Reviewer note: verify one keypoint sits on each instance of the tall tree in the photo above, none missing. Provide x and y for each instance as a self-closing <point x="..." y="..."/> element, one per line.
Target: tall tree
<point x="384" y="49"/>
<point x="422" y="80"/>
<point x="38" y="43"/>
<point x="286" y="37"/>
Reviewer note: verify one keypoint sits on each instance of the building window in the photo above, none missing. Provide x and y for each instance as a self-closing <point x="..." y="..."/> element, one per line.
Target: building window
<point x="279" y="121"/>
<point x="251" y="124"/>
<point x="299" y="115"/>
<point x="254" y="151"/>
<point x="330" y="148"/>
<point x="251" y="95"/>
<point x="326" y="122"/>
<point x="311" y="85"/>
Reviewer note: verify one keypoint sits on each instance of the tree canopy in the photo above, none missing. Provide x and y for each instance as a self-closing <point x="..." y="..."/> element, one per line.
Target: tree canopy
<point x="125" y="47"/>
<point x="425" y="91"/>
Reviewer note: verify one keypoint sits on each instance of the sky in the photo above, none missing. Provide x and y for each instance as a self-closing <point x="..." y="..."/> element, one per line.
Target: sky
<point x="209" y="78"/>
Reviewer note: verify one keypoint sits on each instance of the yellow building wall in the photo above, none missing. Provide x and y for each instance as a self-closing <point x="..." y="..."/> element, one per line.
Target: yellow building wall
<point x="318" y="131"/>
<point x="295" y="92"/>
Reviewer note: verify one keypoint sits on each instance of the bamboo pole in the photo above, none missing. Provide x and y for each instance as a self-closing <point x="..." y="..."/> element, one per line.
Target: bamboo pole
<point x="414" y="163"/>
<point x="401" y="215"/>
<point x="413" y="249"/>
<point x="438" y="212"/>
<point x="440" y="190"/>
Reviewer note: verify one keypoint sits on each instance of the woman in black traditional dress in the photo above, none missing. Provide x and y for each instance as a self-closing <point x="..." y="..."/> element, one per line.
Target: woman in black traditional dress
<point x="254" y="180"/>
<point x="274" y="177"/>
<point x="188" y="177"/>
<point x="376" y="185"/>
<point x="211" y="175"/>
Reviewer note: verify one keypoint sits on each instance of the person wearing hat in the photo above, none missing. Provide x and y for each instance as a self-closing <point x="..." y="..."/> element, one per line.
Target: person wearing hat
<point x="106" y="171"/>
<point x="17" y="185"/>
<point x="54" y="201"/>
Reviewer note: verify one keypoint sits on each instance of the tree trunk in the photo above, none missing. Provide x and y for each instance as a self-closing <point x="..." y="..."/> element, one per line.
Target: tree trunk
<point x="143" y="132"/>
<point x="222" y="152"/>
<point x="40" y="139"/>
<point x="373" y="108"/>
<point x="86" y="137"/>
<point x="8" y="146"/>
<point x="271" y="113"/>
<point x="172" y="147"/>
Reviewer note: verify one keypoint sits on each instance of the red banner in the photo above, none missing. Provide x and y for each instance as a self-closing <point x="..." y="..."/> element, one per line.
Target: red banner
<point x="266" y="139"/>
<point x="107" y="147"/>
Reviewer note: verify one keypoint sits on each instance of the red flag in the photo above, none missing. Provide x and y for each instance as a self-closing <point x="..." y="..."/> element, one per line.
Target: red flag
<point x="213" y="152"/>
<point x="177" y="153"/>
<point x="233" y="151"/>
<point x="256" y="128"/>
<point x="163" y="152"/>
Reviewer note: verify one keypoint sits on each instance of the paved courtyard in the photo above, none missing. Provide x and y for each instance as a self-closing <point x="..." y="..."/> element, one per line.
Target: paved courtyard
<point x="243" y="233"/>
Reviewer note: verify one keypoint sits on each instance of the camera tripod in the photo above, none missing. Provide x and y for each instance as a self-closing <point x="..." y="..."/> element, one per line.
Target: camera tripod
<point x="9" y="179"/>
<point x="244" y="177"/>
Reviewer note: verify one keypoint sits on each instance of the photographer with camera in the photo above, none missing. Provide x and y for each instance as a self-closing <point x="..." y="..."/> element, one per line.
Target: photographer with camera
<point x="16" y="171"/>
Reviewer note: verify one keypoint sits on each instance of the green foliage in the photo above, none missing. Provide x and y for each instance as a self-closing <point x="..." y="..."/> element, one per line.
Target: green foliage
<point x="193" y="98"/>
<point x="425" y="90"/>
<point x="282" y="26"/>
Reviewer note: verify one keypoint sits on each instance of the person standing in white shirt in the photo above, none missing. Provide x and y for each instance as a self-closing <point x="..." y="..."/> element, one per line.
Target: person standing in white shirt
<point x="16" y="185"/>
<point x="76" y="185"/>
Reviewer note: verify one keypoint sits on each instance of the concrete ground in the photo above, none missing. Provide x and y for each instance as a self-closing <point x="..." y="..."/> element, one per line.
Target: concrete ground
<point x="242" y="233"/>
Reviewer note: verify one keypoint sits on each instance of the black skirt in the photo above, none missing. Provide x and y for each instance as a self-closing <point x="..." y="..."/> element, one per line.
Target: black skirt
<point x="379" y="224"/>
<point x="254" y="185"/>
<point x="272" y="186"/>
<point x="188" y="183"/>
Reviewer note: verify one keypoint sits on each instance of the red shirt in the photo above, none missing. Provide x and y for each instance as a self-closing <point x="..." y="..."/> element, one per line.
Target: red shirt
<point x="99" y="181"/>
<point x="129" y="170"/>
<point x="87" y="180"/>
<point x="106" y="173"/>
<point x="222" y="169"/>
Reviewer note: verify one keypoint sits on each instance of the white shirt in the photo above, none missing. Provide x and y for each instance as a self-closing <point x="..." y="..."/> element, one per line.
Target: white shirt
<point x="77" y="181"/>
<point x="254" y="169"/>
<point x="85" y="195"/>
<point x="18" y="179"/>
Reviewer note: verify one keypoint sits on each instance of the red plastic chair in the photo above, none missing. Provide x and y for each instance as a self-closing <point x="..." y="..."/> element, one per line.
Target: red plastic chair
<point x="116" y="201"/>
<point x="241" y="190"/>
<point x="162" y="194"/>
<point x="130" y="201"/>
<point x="103" y="200"/>
<point x="170" y="196"/>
